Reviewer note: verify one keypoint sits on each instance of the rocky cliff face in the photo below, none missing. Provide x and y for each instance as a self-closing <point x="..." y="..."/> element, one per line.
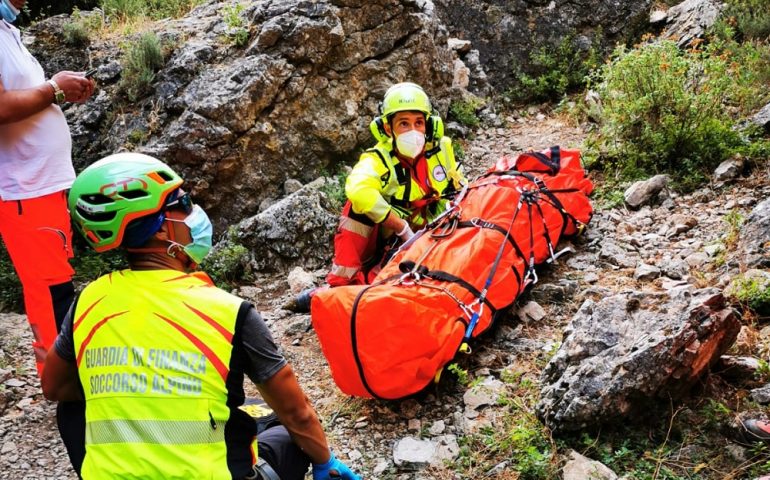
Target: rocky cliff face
<point x="505" y="32"/>
<point x="237" y="122"/>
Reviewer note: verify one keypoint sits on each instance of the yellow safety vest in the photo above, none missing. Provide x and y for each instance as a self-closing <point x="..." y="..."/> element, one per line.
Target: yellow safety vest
<point x="378" y="184"/>
<point x="153" y="354"/>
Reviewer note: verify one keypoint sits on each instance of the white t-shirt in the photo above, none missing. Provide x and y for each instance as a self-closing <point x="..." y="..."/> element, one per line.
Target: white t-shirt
<point x="35" y="153"/>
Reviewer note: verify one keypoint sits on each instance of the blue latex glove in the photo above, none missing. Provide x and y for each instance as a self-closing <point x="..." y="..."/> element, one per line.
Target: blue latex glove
<point x="333" y="469"/>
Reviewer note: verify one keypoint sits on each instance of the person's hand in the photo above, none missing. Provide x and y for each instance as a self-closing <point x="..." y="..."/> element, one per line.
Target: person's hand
<point x="332" y="470"/>
<point x="76" y="87"/>
<point x="406" y="233"/>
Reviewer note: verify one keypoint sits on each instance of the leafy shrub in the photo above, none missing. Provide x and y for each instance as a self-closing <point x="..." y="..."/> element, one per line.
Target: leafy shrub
<point x="77" y="32"/>
<point x="749" y="18"/>
<point x="555" y="70"/>
<point x="464" y="111"/>
<point x="141" y="60"/>
<point x="663" y="110"/>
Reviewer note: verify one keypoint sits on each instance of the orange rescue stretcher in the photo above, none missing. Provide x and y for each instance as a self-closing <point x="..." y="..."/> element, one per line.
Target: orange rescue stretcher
<point x="445" y="286"/>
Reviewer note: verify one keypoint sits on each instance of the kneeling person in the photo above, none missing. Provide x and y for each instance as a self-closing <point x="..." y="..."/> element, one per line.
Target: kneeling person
<point x="160" y="354"/>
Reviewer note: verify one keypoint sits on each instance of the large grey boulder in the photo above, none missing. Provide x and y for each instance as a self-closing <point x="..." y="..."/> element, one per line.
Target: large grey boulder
<point x="237" y="122"/>
<point x="623" y="352"/>
<point x="754" y="242"/>
<point x="504" y="33"/>
<point x="690" y="20"/>
<point x="296" y="230"/>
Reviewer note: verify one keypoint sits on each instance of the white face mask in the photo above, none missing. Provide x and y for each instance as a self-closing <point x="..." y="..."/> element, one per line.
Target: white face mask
<point x="410" y="144"/>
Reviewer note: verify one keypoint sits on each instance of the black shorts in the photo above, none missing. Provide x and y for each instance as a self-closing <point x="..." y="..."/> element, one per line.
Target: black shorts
<point x="278" y="449"/>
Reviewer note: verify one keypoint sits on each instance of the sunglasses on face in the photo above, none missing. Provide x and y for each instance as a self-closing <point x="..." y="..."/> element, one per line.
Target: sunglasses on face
<point x="183" y="203"/>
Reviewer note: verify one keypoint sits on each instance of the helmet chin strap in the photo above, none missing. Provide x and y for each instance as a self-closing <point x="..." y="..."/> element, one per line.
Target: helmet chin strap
<point x="170" y="250"/>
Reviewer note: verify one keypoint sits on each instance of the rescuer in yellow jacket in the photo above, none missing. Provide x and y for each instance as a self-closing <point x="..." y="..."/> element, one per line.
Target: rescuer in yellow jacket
<point x="397" y="187"/>
<point x="160" y="354"/>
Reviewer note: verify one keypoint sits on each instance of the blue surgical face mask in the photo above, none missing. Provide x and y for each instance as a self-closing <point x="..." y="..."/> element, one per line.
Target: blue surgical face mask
<point x="8" y="12"/>
<point x="201" y="231"/>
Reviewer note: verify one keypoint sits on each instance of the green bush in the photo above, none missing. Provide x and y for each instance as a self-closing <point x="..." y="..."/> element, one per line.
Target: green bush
<point x="555" y="70"/>
<point x="229" y="262"/>
<point x="663" y="110"/>
<point x="753" y="292"/>
<point x="464" y="111"/>
<point x="154" y="9"/>
<point x="142" y="58"/>
<point x="77" y="32"/>
<point x="749" y="18"/>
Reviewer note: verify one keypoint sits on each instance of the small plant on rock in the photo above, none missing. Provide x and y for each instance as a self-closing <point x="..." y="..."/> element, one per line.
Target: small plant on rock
<point x="334" y="189"/>
<point x="237" y="32"/>
<point x="77" y="32"/>
<point x="464" y="111"/>
<point x="142" y="59"/>
<point x="753" y="292"/>
<point x="228" y="263"/>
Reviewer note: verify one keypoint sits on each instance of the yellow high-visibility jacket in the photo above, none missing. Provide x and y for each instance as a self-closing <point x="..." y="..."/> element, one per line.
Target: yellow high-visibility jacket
<point x="379" y="183"/>
<point x="153" y="354"/>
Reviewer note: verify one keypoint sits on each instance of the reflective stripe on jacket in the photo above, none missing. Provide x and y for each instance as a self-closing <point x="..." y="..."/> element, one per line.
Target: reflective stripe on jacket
<point x="153" y="354"/>
<point x="379" y="183"/>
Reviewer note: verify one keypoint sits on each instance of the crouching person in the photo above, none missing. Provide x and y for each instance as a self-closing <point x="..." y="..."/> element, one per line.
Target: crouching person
<point x="159" y="353"/>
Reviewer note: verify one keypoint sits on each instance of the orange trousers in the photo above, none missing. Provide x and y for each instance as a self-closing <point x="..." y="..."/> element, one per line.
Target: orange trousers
<point x="357" y="250"/>
<point x="38" y="236"/>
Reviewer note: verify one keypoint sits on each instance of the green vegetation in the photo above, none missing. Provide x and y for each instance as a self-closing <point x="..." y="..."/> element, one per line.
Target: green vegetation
<point x="464" y="111"/>
<point x="555" y="70"/>
<point x="753" y="292"/>
<point x="734" y="221"/>
<point x="518" y="438"/>
<point x="77" y="32"/>
<point x="154" y="9"/>
<point x="463" y="378"/>
<point x="334" y="189"/>
<point x="750" y="19"/>
<point x="90" y="265"/>
<point x="459" y="148"/>
<point x="666" y="110"/>
<point x="229" y="263"/>
<point x="142" y="58"/>
<point x="237" y="32"/>
<point x="655" y="449"/>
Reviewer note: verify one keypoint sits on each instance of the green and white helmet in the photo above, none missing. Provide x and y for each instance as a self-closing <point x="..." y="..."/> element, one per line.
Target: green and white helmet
<point x="403" y="97"/>
<point x="112" y="192"/>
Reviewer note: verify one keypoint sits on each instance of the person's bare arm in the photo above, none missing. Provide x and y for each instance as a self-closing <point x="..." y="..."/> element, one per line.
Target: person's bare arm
<point x="17" y="105"/>
<point x="394" y="222"/>
<point x="60" y="379"/>
<point x="284" y="395"/>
